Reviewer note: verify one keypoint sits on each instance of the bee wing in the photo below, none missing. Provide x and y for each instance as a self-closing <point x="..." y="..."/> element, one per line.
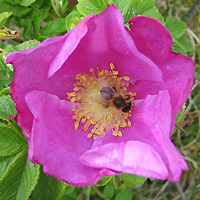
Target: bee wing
<point x="106" y="91"/>
<point x="102" y="82"/>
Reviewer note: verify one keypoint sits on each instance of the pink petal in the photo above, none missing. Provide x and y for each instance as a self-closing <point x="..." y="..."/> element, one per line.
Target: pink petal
<point x="153" y="40"/>
<point x="32" y="68"/>
<point x="52" y="66"/>
<point x="55" y="144"/>
<point x="69" y="45"/>
<point x="150" y="131"/>
<point x="107" y="41"/>
<point x="132" y="157"/>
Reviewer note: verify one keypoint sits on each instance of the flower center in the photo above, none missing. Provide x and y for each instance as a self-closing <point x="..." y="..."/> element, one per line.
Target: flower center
<point x="102" y="101"/>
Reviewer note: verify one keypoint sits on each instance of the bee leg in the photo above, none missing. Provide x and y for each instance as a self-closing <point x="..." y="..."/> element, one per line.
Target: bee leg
<point x="127" y="96"/>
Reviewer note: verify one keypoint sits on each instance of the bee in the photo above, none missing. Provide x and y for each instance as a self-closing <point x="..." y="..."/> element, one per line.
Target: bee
<point x="110" y="94"/>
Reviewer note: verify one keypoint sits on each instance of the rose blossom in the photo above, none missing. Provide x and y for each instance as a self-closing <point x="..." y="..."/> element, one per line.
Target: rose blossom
<point x="71" y="128"/>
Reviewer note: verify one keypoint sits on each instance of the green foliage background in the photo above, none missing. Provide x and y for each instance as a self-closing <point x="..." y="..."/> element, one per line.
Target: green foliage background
<point x="28" y="23"/>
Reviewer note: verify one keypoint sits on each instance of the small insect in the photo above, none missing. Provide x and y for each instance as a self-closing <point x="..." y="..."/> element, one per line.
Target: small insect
<point x="110" y="94"/>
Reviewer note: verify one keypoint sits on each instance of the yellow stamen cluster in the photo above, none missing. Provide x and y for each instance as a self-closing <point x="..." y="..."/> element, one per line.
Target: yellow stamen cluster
<point x="91" y="109"/>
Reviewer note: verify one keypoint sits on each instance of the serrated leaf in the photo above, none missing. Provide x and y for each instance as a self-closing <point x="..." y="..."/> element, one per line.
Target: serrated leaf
<point x="54" y="26"/>
<point x="104" y="180"/>
<point x="87" y="7"/>
<point x="121" y="4"/>
<point x="178" y="48"/>
<point x="5" y="75"/>
<point x="7" y="107"/>
<point x="10" y="142"/>
<point x="187" y="46"/>
<point x="136" y="7"/>
<point x="29" y="180"/>
<point x="48" y="188"/>
<point x="27" y="3"/>
<point x="175" y="27"/>
<point x="126" y="194"/>
<point x="19" y="178"/>
<point x="4" y="163"/>
<point x="132" y="180"/>
<point x="3" y="17"/>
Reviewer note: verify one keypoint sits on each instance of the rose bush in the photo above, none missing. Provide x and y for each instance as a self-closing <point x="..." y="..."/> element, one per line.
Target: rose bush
<point x="161" y="79"/>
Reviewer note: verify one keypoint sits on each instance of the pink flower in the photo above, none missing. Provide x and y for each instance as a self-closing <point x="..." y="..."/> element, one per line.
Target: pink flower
<point x="78" y="134"/>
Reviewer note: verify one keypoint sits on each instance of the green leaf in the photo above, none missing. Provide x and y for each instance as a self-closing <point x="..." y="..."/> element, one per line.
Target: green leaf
<point x="2" y="46"/>
<point x="187" y="46"/>
<point x="154" y="13"/>
<point x="5" y="75"/>
<point x="17" y="21"/>
<point x="19" y="178"/>
<point x="46" y="4"/>
<point x="108" y="191"/>
<point x="104" y="180"/>
<point x="16" y="10"/>
<point x="37" y="18"/>
<point x="70" y="193"/>
<point x="178" y="48"/>
<point x="37" y="4"/>
<point x="60" y="7"/>
<point x="27" y="3"/>
<point x="48" y="188"/>
<point x="28" y="181"/>
<point x="136" y="7"/>
<point x="5" y="91"/>
<point x="69" y="19"/>
<point x="132" y="180"/>
<point x="27" y="28"/>
<point x="4" y="163"/>
<point x="13" y="1"/>
<point x="126" y="194"/>
<point x="3" y="17"/>
<point x="121" y="4"/>
<point x="10" y="142"/>
<point x="75" y="21"/>
<point x="54" y="26"/>
<point x="25" y="45"/>
<point x="87" y="7"/>
<point x="116" y="181"/>
<point x="180" y="115"/>
<point x="7" y="107"/>
<point x="175" y="27"/>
